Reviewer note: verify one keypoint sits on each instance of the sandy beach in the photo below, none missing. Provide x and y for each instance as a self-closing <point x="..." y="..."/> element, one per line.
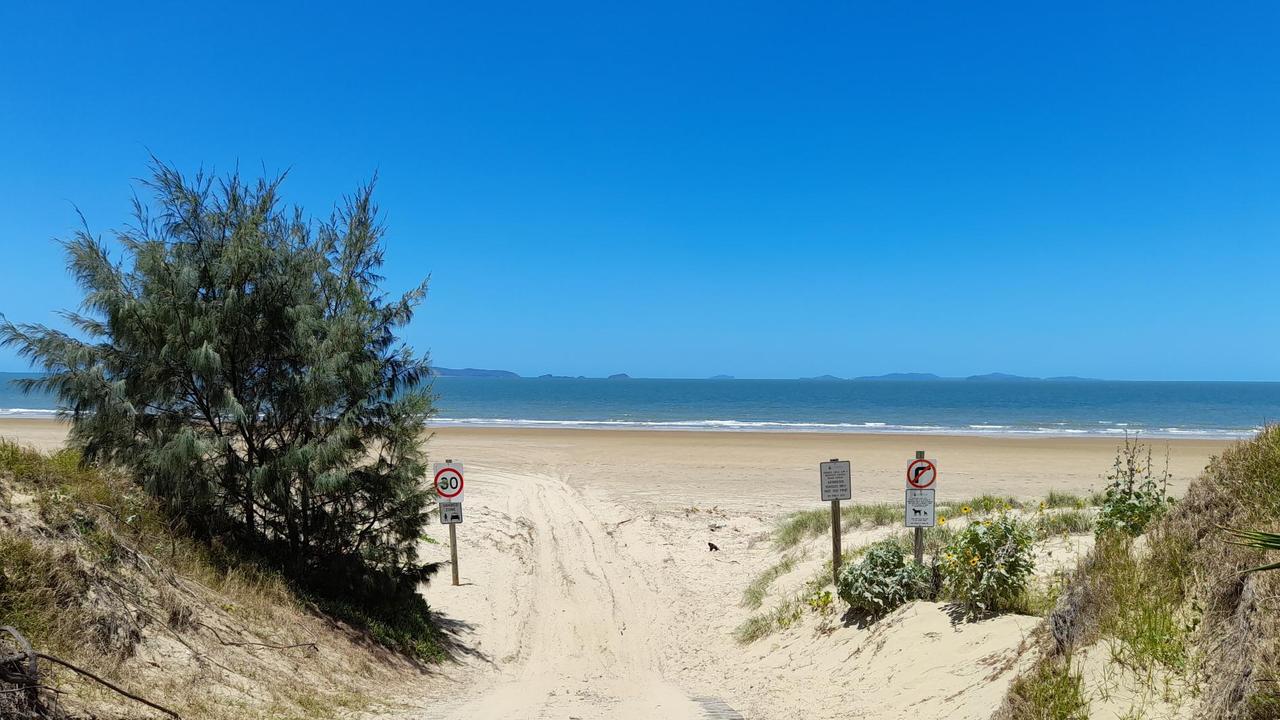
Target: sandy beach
<point x="588" y="589"/>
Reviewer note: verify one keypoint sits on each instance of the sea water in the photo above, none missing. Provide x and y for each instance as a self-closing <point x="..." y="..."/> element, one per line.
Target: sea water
<point x="980" y="407"/>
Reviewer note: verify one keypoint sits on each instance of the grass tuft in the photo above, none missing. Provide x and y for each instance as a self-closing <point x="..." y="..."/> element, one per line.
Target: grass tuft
<point x="753" y="595"/>
<point x="800" y="526"/>
<point x="1067" y="522"/>
<point x="1056" y="499"/>
<point x="1054" y="690"/>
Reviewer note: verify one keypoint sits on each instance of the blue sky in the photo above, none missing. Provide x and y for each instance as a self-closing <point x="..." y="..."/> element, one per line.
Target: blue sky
<point x="685" y="189"/>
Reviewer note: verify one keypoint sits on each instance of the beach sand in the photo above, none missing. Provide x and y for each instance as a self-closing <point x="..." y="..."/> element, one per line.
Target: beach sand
<point x="588" y="589"/>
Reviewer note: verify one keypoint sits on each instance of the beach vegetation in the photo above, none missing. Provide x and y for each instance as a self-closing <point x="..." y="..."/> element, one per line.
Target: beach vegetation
<point x="883" y="579"/>
<point x="790" y="608"/>
<point x="799" y="526"/>
<point x="1181" y="611"/>
<point x="754" y="594"/>
<point x="240" y="363"/>
<point x="1064" y="522"/>
<point x="986" y="566"/>
<point x="1136" y="493"/>
<point x="1058" y="499"/>
<point x="1051" y="691"/>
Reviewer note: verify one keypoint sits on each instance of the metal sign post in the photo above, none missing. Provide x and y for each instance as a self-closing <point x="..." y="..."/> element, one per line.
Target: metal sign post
<point x="449" y="484"/>
<point x="835" y="484"/>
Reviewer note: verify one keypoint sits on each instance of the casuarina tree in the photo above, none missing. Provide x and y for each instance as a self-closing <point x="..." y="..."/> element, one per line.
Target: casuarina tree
<point x="242" y="361"/>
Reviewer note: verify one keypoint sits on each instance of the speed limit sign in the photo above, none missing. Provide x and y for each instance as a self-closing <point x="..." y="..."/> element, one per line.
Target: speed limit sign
<point x="449" y="481"/>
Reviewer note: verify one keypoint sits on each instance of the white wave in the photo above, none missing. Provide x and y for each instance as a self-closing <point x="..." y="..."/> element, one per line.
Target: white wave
<point x="28" y="412"/>
<point x="1057" y="429"/>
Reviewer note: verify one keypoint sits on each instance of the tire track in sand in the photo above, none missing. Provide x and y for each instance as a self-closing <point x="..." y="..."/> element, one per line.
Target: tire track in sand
<point x="585" y="619"/>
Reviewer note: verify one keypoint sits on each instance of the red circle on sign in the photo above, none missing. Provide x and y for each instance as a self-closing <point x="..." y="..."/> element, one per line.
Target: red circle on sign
<point x="442" y="493"/>
<point x="913" y="475"/>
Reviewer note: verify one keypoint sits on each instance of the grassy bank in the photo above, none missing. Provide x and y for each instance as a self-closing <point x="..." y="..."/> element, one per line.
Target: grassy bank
<point x="1170" y="620"/>
<point x="1057" y="515"/>
<point x="91" y="571"/>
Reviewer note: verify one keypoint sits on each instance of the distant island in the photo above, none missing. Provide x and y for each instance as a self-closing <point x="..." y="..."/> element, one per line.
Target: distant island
<point x="887" y="377"/>
<point x="930" y="377"/>
<point x="912" y="377"/>
<point x="472" y="372"/>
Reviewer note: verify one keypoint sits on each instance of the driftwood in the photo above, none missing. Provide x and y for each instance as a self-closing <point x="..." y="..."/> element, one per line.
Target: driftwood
<point x="27" y="698"/>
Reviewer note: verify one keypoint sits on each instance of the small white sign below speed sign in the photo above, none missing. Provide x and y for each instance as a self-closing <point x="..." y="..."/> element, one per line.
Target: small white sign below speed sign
<point x="448" y="481"/>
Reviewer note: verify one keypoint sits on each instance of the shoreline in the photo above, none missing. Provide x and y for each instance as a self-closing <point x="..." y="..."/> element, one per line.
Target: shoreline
<point x="767" y="472"/>
<point x="840" y="429"/>
<point x="16" y="422"/>
<point x="1115" y="432"/>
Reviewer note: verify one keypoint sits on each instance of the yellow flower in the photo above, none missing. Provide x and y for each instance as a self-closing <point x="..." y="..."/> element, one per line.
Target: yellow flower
<point x="966" y="509"/>
<point x="942" y="519"/>
<point x="973" y="560"/>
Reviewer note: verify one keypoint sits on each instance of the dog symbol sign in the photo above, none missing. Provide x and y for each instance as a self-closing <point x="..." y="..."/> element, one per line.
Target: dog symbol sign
<point x="919" y="509"/>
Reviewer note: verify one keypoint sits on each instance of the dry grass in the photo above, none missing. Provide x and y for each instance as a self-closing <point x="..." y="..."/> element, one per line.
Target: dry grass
<point x="90" y="571"/>
<point x="1181" y="607"/>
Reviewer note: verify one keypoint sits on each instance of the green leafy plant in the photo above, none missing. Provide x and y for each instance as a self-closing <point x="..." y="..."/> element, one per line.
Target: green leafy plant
<point x="882" y="580"/>
<point x="1257" y="539"/>
<point x="1136" y="494"/>
<point x="986" y="566"/>
<point x="821" y="602"/>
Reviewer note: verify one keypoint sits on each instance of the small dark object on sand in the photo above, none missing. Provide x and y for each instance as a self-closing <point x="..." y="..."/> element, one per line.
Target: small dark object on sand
<point x="712" y="547"/>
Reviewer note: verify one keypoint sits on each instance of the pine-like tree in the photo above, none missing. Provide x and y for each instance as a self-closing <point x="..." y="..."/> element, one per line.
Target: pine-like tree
<point x="243" y="363"/>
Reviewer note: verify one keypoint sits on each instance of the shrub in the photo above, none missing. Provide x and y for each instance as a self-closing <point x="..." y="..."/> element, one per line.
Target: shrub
<point x="1135" y="493"/>
<point x="242" y="363"/>
<point x="882" y="580"/>
<point x="985" y="568"/>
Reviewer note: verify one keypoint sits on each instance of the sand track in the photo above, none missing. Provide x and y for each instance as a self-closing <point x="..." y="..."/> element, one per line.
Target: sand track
<point x="582" y="619"/>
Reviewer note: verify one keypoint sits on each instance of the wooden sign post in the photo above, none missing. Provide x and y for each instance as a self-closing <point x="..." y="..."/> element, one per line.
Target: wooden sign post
<point x="919" y="509"/>
<point x="919" y="532"/>
<point x="449" y="486"/>
<point x="835" y="484"/>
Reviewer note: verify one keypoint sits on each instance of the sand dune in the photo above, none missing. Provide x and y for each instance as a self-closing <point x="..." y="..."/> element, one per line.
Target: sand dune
<point x="589" y="591"/>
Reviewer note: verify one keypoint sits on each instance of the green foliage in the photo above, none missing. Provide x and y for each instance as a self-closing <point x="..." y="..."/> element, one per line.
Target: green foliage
<point x="761" y="625"/>
<point x="241" y="361"/>
<point x="1141" y="602"/>
<point x="1260" y="540"/>
<point x="802" y="525"/>
<point x="986" y="566"/>
<point x="1136" y="494"/>
<point x="1054" y="690"/>
<point x="821" y="602"/>
<point x="1066" y="522"/>
<point x="1057" y="499"/>
<point x="882" y="580"/>
<point x="41" y="594"/>
<point x="985" y="503"/>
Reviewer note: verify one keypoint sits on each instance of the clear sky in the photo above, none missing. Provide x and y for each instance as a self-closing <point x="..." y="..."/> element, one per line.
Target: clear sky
<point x="685" y="189"/>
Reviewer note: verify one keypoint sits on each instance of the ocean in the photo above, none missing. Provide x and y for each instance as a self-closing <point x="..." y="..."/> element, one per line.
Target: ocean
<point x="986" y="407"/>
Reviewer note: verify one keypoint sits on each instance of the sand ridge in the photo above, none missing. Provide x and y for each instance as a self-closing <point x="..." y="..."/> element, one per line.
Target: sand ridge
<point x="588" y="589"/>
